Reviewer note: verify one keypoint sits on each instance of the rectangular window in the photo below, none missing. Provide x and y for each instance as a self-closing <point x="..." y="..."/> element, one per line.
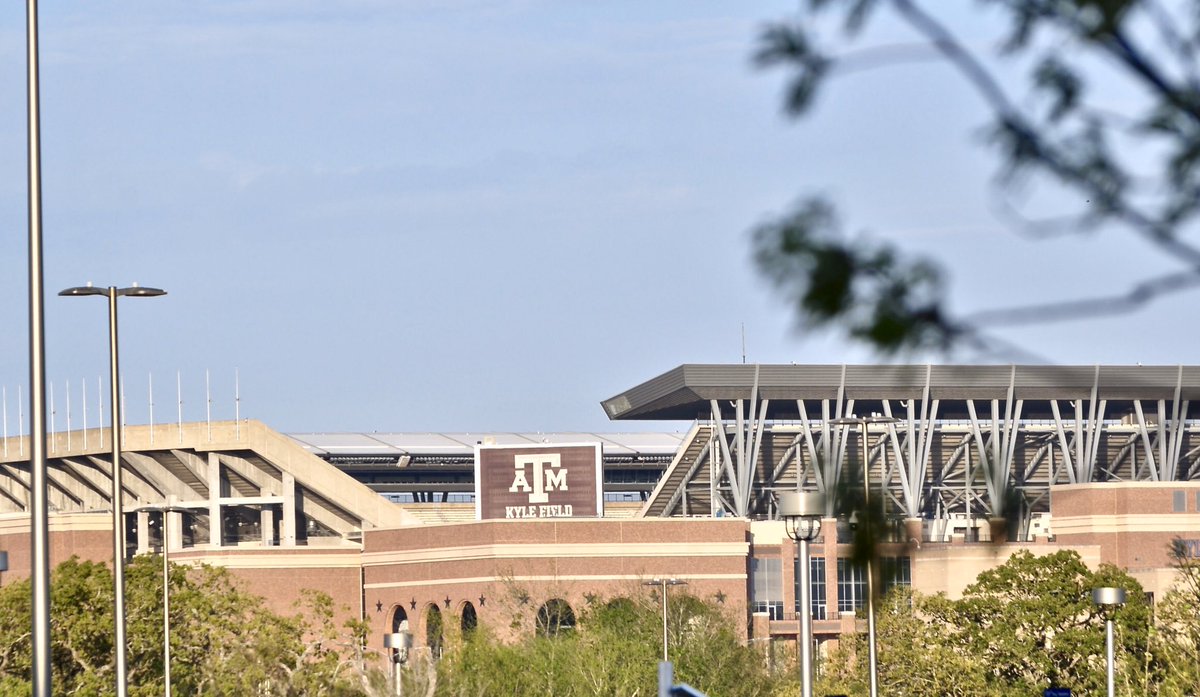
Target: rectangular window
<point x="852" y="586"/>
<point x="816" y="571"/>
<point x="817" y="583"/>
<point x="766" y="585"/>
<point x="1179" y="502"/>
<point x="897" y="571"/>
<point x="1198" y="501"/>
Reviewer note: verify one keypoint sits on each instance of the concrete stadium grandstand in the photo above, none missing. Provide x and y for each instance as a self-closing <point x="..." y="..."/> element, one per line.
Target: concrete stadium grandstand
<point x="521" y="531"/>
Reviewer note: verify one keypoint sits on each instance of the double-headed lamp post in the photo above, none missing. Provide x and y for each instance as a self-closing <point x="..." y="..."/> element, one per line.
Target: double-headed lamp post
<point x="801" y="514"/>
<point x="1109" y="598"/>
<point x="165" y="508"/>
<point x="112" y="293"/>
<point x="863" y="422"/>
<point x="662" y="584"/>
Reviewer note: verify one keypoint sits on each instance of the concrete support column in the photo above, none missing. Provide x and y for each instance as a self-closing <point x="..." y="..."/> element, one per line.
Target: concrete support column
<point x="266" y="521"/>
<point x="287" y="526"/>
<point x="172" y="527"/>
<point x="143" y="532"/>
<point x="215" y="524"/>
<point x="914" y="531"/>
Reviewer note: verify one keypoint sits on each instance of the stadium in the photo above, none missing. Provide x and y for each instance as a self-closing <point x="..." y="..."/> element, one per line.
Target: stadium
<point x="523" y="530"/>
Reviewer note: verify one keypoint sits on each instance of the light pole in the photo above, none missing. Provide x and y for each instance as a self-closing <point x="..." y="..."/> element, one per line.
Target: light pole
<point x="164" y="509"/>
<point x="662" y="584"/>
<point x="39" y="508"/>
<point x="863" y="422"/>
<point x="801" y="513"/>
<point x="1109" y="598"/>
<point x="112" y="293"/>
<point x="399" y="643"/>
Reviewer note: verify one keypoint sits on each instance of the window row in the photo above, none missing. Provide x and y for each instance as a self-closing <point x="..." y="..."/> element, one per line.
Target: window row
<point x="766" y="584"/>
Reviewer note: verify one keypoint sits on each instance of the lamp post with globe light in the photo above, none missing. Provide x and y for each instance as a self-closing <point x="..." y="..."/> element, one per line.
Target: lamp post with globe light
<point x="1109" y="598"/>
<point x="399" y="642"/>
<point x="801" y="514"/>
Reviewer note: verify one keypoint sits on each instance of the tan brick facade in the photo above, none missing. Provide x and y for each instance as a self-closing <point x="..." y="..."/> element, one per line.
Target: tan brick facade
<point x="504" y="570"/>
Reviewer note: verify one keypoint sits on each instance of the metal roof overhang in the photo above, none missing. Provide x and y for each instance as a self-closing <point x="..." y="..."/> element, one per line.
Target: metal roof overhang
<point x="685" y="393"/>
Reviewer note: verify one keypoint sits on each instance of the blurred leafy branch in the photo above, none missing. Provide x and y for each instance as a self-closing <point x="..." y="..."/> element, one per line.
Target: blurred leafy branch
<point x="1059" y="128"/>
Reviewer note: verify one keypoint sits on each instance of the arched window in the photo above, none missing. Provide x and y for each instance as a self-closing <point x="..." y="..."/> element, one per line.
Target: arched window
<point x="399" y="620"/>
<point x="433" y="630"/>
<point x="554" y="618"/>
<point x="469" y="620"/>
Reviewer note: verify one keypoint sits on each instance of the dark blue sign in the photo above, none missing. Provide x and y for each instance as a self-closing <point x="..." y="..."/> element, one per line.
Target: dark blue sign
<point x="1056" y="692"/>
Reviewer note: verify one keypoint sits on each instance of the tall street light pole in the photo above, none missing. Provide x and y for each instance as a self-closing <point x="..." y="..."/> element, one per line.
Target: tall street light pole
<point x="801" y="513"/>
<point x="118" y="522"/>
<point x="662" y="584"/>
<point x="166" y="508"/>
<point x="39" y="525"/>
<point x="863" y="422"/>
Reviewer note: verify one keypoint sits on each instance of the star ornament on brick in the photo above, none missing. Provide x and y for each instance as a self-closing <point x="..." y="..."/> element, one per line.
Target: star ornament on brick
<point x="412" y="604"/>
<point x="378" y="606"/>
<point x="721" y="597"/>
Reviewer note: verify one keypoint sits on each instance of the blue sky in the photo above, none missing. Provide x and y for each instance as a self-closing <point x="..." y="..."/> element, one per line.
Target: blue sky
<point x="477" y="215"/>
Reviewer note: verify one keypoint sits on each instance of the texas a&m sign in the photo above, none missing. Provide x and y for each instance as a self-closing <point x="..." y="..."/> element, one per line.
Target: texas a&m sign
<point x="538" y="481"/>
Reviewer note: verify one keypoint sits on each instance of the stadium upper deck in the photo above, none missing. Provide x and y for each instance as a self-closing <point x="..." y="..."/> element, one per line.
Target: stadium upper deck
<point x="439" y="467"/>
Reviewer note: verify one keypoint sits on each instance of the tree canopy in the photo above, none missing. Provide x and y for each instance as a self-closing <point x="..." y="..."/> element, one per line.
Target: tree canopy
<point x="614" y="649"/>
<point x="1022" y="627"/>
<point x="224" y="641"/>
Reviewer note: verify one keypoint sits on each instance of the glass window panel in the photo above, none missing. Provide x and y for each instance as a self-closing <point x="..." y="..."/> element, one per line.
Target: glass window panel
<point x="852" y="586"/>
<point x="816" y="570"/>
<point x="766" y="584"/>
<point x="897" y="571"/>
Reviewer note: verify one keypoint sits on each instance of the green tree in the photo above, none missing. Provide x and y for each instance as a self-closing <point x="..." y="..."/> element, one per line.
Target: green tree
<point x="1131" y="163"/>
<point x="1032" y="622"/>
<point x="917" y="657"/>
<point x="1177" y="641"/>
<point x="1023" y="626"/>
<point x="223" y="640"/>
<point x="614" y="650"/>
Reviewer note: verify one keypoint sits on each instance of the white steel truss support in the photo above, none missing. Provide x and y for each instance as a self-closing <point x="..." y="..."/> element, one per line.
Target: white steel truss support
<point x="997" y="451"/>
<point x="728" y="469"/>
<point x="740" y="452"/>
<point x="995" y="455"/>
<point x="1150" y="461"/>
<point x="913" y="457"/>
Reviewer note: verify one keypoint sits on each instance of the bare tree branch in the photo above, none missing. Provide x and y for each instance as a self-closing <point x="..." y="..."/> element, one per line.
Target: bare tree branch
<point x="1135" y="297"/>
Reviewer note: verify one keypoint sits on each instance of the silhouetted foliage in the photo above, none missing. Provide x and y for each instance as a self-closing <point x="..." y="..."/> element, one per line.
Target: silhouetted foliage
<point x="1132" y="164"/>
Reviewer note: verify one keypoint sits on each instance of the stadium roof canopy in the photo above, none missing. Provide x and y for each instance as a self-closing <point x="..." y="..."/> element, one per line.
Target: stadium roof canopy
<point x="463" y="444"/>
<point x="686" y="393"/>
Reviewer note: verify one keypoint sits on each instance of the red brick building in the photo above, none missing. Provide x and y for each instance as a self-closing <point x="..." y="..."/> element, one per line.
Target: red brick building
<point x="973" y="463"/>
